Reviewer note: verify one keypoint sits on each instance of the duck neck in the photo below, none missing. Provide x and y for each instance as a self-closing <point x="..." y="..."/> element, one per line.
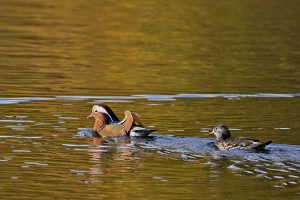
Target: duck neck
<point x="223" y="136"/>
<point x="220" y="138"/>
<point x="100" y="122"/>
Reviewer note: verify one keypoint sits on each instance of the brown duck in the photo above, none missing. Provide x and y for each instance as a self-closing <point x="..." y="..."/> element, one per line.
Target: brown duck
<point x="107" y="123"/>
<point x="224" y="141"/>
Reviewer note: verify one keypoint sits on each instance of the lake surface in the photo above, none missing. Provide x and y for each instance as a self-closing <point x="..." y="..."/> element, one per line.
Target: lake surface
<point x="184" y="66"/>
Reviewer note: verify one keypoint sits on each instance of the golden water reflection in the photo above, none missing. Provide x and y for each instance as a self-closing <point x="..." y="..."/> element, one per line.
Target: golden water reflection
<point x="135" y="47"/>
<point x="129" y="48"/>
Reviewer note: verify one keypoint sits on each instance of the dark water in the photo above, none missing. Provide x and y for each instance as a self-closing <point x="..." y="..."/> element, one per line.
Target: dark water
<point x="184" y="66"/>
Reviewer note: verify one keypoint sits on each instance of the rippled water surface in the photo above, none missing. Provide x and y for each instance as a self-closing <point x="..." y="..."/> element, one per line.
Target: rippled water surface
<point x="184" y="66"/>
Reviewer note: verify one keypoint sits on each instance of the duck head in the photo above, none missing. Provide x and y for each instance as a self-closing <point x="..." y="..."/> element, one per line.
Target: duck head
<point x="221" y="132"/>
<point x="100" y="117"/>
<point x="104" y="109"/>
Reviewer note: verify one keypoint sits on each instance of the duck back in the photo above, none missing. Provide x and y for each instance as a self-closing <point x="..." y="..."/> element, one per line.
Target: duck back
<point x="241" y="143"/>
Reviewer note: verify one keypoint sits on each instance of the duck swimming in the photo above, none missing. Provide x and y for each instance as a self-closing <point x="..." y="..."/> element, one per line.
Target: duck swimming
<point x="224" y="141"/>
<point x="107" y="123"/>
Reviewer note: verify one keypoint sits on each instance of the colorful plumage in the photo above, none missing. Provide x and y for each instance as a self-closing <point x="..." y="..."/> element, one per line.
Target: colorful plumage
<point x="107" y="123"/>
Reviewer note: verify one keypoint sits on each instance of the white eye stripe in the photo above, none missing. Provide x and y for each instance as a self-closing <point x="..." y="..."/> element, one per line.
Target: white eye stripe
<point x="97" y="108"/>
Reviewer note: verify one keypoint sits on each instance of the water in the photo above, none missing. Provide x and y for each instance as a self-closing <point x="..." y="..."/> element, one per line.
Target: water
<point x="184" y="66"/>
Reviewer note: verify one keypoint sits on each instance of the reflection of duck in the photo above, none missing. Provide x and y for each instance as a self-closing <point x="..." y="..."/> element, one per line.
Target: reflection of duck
<point x="224" y="141"/>
<point x="107" y="123"/>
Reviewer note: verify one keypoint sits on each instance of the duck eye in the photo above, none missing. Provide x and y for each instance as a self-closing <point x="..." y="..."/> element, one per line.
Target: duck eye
<point x="96" y="111"/>
<point x="216" y="129"/>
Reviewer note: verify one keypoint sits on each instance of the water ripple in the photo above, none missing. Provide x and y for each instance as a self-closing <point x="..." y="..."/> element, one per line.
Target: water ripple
<point x="22" y="99"/>
<point x="36" y="163"/>
<point x="20" y="137"/>
<point x="15" y="121"/>
<point x="149" y="97"/>
<point x="21" y="151"/>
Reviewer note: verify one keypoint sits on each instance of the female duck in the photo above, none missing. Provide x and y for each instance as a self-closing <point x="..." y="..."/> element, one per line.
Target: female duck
<point x="224" y="141"/>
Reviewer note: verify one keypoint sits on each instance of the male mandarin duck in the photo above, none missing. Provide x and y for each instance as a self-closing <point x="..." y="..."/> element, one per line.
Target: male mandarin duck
<point x="107" y="123"/>
<point x="224" y="141"/>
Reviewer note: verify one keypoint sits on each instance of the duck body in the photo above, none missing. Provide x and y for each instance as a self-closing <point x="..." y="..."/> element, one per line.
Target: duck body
<point x="107" y="123"/>
<point x="112" y="130"/>
<point x="240" y="143"/>
<point x="224" y="141"/>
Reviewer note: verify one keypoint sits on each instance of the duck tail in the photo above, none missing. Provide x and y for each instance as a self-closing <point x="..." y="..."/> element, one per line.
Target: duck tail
<point x="140" y="131"/>
<point x="152" y="130"/>
<point x="262" y="145"/>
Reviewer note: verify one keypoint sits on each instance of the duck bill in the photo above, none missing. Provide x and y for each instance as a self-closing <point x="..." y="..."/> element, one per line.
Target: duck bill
<point x="211" y="133"/>
<point x="90" y="116"/>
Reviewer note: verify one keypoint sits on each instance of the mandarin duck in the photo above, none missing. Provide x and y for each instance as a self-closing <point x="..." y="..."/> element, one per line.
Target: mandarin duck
<point x="107" y="123"/>
<point x="224" y="141"/>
